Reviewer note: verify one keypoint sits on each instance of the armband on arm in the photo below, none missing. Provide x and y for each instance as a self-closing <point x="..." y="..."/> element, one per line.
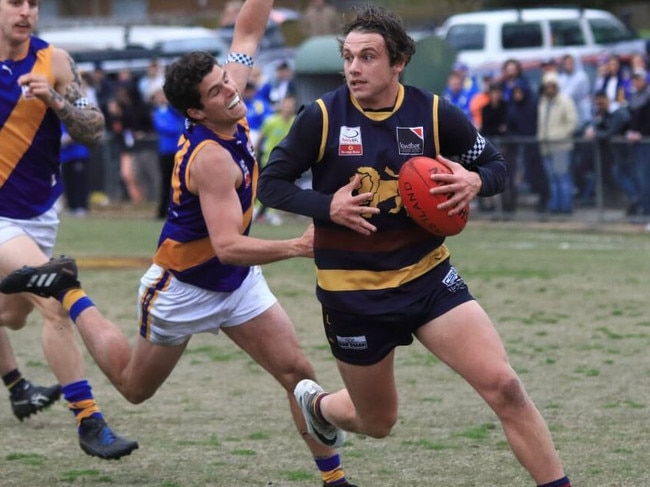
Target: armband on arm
<point x="238" y="57"/>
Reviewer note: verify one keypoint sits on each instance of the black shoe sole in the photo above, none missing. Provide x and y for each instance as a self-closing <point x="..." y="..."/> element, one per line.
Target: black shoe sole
<point x="113" y="456"/>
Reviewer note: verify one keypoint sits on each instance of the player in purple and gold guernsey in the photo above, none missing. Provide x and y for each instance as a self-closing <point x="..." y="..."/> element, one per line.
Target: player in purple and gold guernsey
<point x="184" y="246"/>
<point x="40" y="88"/>
<point x="205" y="275"/>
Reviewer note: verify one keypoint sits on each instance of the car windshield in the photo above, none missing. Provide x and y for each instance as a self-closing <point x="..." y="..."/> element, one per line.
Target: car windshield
<point x="607" y="32"/>
<point x="467" y="37"/>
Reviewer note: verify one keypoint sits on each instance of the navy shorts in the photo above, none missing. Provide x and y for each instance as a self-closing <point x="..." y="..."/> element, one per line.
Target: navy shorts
<point x="366" y="339"/>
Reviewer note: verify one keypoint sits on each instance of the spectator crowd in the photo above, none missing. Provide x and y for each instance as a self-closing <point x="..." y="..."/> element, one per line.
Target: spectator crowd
<point x="569" y="136"/>
<point x="566" y="134"/>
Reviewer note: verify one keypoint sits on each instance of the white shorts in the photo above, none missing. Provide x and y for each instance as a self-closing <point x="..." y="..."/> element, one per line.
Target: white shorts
<point x="171" y="311"/>
<point x="42" y="229"/>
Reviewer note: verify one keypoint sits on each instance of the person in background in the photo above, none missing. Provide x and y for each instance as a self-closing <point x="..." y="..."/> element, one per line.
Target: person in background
<point x="637" y="62"/>
<point x="382" y="280"/>
<point x="206" y="275"/>
<point x="481" y="99"/>
<point x="512" y="73"/>
<point x="456" y="93"/>
<point x="610" y="79"/>
<point x="320" y="18"/>
<point x="557" y="120"/>
<point x="168" y="124"/>
<point x="151" y="81"/>
<point x="494" y="127"/>
<point x="575" y="83"/>
<point x="470" y="84"/>
<point x="521" y="122"/>
<point x="638" y="134"/>
<point x="281" y="85"/>
<point x="42" y="88"/>
<point x="75" y="170"/>
<point x="273" y="130"/>
<point x="258" y="109"/>
<point x="615" y="160"/>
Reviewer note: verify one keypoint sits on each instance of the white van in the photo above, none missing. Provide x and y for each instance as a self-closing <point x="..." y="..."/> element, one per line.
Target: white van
<point x="100" y="37"/>
<point x="536" y="34"/>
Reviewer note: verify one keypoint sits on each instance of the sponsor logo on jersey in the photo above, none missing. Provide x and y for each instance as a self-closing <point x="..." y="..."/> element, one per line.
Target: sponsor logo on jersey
<point x="453" y="281"/>
<point x="350" y="141"/>
<point x="352" y="343"/>
<point x="247" y="174"/>
<point x="410" y="141"/>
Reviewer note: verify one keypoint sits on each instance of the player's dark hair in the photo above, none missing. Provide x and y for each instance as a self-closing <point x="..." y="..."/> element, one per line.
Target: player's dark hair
<point x="183" y="77"/>
<point x="374" y="18"/>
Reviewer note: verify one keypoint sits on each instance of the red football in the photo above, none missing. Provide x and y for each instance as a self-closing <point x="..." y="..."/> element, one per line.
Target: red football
<point x="414" y="184"/>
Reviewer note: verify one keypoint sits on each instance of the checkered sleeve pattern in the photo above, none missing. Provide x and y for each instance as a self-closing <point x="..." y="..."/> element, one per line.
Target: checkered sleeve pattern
<point x="82" y="103"/>
<point x="238" y="57"/>
<point x="471" y="155"/>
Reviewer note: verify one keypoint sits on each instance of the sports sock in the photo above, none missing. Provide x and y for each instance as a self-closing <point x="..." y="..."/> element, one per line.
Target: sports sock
<point x="81" y="401"/>
<point x="316" y="406"/>
<point x="563" y="482"/>
<point x="74" y="301"/>
<point x="12" y="379"/>
<point x="331" y="470"/>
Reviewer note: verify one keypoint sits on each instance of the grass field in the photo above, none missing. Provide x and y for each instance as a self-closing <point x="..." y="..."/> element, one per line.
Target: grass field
<point x="571" y="305"/>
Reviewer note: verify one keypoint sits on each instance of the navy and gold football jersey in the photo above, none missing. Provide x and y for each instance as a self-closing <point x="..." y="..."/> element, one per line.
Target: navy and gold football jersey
<point x="336" y="139"/>
<point x="356" y="271"/>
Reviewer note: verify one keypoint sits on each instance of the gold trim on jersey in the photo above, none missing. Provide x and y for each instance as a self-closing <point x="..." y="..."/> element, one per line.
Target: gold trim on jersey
<point x="355" y="280"/>
<point x="380" y="116"/>
<point x="436" y="126"/>
<point x="323" y="140"/>
<point x="180" y="256"/>
<point x="18" y="132"/>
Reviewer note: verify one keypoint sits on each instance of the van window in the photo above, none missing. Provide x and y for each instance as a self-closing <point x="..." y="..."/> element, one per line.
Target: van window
<point x="467" y="37"/>
<point x="521" y="35"/>
<point x="567" y="33"/>
<point x="606" y="31"/>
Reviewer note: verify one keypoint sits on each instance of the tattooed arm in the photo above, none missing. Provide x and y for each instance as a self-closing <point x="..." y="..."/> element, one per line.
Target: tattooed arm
<point x="84" y="122"/>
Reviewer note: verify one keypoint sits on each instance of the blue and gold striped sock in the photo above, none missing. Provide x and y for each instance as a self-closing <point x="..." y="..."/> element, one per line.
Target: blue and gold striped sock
<point x="75" y="301"/>
<point x="81" y="401"/>
<point x="331" y="471"/>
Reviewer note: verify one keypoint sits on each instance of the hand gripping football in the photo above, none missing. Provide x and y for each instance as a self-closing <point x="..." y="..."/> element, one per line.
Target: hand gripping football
<point x="414" y="183"/>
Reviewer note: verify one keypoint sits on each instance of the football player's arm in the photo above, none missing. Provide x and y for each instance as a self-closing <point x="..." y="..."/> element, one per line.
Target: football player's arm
<point x="250" y="26"/>
<point x="215" y="177"/>
<point x="83" y="121"/>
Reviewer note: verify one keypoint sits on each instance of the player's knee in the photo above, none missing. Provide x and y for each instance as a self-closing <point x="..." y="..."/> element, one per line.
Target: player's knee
<point x="137" y="395"/>
<point x="380" y="426"/>
<point x="510" y="393"/>
<point x="13" y="318"/>
<point x="300" y="369"/>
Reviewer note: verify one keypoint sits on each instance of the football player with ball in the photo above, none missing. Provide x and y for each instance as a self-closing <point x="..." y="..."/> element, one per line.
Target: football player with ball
<point x="382" y="278"/>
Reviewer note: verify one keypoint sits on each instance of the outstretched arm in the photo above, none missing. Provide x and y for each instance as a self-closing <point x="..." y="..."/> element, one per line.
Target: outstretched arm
<point x="249" y="30"/>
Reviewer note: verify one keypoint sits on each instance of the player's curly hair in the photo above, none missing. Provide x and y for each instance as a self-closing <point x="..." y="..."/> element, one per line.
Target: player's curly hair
<point x="183" y="77"/>
<point x="374" y="18"/>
